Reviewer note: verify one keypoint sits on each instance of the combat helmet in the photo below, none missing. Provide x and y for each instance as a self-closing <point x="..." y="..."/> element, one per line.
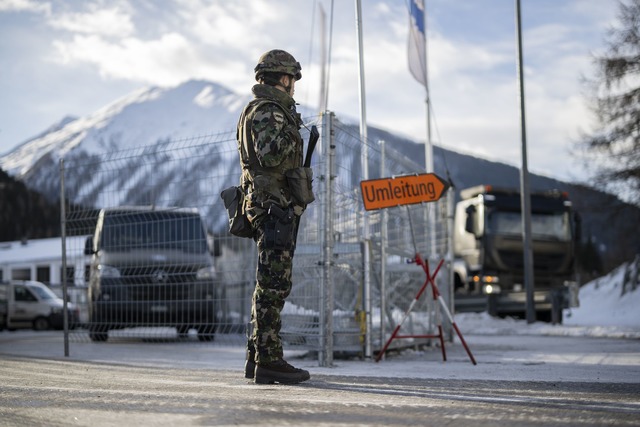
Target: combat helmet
<point x="278" y="61"/>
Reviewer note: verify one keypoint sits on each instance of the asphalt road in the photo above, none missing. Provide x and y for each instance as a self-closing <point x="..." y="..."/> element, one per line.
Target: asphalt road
<point x="134" y="383"/>
<point x="62" y="393"/>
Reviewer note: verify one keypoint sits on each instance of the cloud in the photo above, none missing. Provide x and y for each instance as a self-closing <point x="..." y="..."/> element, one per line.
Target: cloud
<point x="25" y="6"/>
<point x="237" y="25"/>
<point x="197" y="39"/>
<point x="114" y="22"/>
<point x="169" y="60"/>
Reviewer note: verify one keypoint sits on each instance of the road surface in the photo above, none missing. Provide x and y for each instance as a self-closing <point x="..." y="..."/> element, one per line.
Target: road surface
<point x="175" y="383"/>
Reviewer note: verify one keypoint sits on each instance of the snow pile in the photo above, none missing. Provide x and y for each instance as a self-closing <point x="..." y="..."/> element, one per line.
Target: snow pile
<point x="612" y="300"/>
<point x="608" y="308"/>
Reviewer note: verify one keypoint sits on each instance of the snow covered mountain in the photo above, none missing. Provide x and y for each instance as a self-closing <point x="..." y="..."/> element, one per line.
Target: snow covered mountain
<point x="140" y="119"/>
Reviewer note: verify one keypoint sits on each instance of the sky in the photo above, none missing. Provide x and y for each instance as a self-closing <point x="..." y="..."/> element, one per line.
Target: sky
<point x="72" y="57"/>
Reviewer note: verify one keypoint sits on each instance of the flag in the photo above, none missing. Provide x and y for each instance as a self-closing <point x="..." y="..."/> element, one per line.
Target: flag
<point x="417" y="42"/>
<point x="323" y="61"/>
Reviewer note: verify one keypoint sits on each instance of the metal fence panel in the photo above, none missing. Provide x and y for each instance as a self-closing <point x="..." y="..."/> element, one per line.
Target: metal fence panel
<point x="177" y="176"/>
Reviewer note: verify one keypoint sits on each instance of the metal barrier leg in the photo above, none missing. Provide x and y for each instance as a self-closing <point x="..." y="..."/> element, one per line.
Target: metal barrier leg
<point x="437" y="297"/>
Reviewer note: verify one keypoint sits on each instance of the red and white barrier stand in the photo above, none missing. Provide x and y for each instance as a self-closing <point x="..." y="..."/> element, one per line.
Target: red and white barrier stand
<point x="436" y="297"/>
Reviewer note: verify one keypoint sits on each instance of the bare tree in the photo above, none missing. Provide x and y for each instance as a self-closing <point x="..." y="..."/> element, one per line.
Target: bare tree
<point x="613" y="148"/>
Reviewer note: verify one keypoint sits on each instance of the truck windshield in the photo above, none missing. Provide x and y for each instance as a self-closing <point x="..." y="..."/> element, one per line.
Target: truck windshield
<point x="153" y="230"/>
<point x="552" y="226"/>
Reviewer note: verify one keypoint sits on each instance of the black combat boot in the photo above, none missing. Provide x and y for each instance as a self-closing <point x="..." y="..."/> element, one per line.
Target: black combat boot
<point x="250" y="364"/>
<point x="279" y="372"/>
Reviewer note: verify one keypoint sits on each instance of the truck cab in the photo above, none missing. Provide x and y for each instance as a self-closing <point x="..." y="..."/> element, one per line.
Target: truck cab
<point x="489" y="255"/>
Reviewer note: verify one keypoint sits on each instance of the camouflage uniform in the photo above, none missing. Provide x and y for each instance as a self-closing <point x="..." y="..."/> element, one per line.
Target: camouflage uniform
<point x="270" y="144"/>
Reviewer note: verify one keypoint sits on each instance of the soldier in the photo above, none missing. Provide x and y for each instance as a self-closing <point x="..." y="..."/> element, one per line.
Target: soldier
<point x="270" y="145"/>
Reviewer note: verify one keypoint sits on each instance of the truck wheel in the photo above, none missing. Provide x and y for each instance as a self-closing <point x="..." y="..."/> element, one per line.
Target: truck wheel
<point x="183" y="331"/>
<point x="557" y="302"/>
<point x="98" y="337"/>
<point x="556" y="316"/>
<point x="206" y="332"/>
<point x="492" y="305"/>
<point x="543" y="316"/>
<point x="98" y="333"/>
<point x="40" y="324"/>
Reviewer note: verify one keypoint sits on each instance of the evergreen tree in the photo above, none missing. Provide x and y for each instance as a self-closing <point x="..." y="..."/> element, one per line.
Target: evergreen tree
<point x="25" y="214"/>
<point x="613" y="148"/>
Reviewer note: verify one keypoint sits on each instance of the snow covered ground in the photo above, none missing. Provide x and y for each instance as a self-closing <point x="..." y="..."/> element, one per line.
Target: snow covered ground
<point x="607" y="302"/>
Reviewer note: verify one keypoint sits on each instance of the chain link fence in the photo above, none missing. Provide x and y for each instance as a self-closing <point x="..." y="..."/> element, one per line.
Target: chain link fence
<point x="150" y="256"/>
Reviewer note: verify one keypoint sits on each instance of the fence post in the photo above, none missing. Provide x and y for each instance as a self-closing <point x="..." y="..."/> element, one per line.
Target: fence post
<point x="384" y="241"/>
<point x="63" y="235"/>
<point x="450" y="224"/>
<point x="326" y="300"/>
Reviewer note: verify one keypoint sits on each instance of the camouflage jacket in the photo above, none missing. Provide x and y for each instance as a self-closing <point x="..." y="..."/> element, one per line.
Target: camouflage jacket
<point x="269" y="144"/>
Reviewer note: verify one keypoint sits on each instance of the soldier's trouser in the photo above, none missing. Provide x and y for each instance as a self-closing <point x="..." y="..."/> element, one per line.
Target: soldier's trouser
<point x="273" y="285"/>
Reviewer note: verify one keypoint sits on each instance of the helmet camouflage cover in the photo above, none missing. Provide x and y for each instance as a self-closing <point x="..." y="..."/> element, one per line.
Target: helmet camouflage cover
<point x="278" y="61"/>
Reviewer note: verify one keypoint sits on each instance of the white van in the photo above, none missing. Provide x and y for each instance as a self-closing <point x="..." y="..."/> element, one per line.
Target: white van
<point x="29" y="304"/>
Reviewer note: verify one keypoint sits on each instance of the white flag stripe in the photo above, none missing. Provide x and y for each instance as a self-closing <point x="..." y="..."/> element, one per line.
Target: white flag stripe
<point x="416" y="48"/>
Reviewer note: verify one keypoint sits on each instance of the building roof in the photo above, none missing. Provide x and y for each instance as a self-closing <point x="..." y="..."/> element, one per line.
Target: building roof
<point x="40" y="250"/>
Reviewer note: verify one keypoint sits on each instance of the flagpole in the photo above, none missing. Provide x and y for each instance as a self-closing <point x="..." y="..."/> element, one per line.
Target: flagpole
<point x="364" y="163"/>
<point x="428" y="146"/>
<point x="322" y="104"/>
<point x="525" y="202"/>
<point x="429" y="213"/>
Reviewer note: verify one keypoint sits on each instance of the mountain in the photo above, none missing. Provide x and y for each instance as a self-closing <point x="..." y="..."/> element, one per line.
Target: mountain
<point x="142" y="118"/>
<point x="149" y="121"/>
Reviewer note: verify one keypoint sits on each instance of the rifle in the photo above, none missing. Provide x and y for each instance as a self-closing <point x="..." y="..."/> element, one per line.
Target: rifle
<point x="313" y="140"/>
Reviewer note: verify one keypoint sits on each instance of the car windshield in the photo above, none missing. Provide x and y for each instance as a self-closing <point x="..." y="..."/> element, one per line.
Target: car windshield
<point x="43" y="293"/>
<point x="552" y="226"/>
<point x="153" y="230"/>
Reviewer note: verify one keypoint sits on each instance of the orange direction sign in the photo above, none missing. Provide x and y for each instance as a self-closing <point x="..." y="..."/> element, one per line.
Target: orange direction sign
<point x="402" y="190"/>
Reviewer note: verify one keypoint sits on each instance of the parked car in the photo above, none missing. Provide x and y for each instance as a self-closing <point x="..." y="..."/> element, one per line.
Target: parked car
<point x="30" y="304"/>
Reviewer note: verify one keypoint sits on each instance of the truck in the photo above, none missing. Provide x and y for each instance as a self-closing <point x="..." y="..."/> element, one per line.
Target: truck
<point x="27" y="304"/>
<point x="151" y="267"/>
<point x="488" y="266"/>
